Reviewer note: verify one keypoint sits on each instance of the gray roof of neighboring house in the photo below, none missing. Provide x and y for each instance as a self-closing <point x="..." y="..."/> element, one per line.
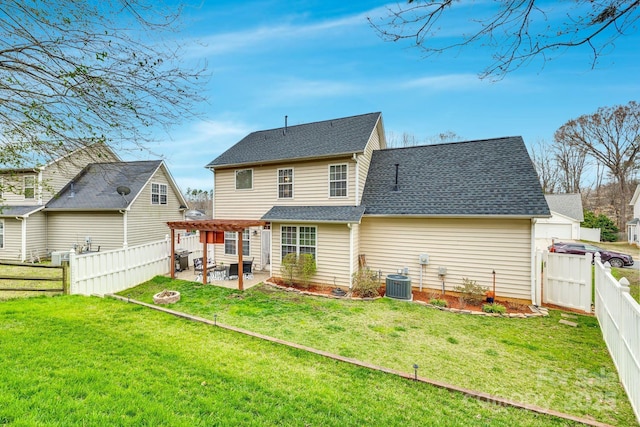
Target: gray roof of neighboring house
<point x="12" y="211"/>
<point x="94" y="188"/>
<point x="311" y="140"/>
<point x="569" y="205"/>
<point x="492" y="177"/>
<point x="340" y="214"/>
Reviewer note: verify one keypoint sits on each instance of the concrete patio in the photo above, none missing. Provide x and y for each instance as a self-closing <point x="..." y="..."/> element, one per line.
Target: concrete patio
<point x="258" y="277"/>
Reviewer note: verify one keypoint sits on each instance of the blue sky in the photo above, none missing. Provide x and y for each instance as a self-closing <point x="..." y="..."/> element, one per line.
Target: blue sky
<point x="318" y="60"/>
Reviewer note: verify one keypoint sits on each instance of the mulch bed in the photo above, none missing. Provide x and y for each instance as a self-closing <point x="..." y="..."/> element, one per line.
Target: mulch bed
<point x="453" y="301"/>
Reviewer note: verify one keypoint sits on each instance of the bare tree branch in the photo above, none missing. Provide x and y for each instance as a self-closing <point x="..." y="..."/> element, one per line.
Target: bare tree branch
<point x="74" y="73"/>
<point x="516" y="31"/>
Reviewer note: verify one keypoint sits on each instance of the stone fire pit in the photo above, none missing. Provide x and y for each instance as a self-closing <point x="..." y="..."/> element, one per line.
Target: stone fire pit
<point x="166" y="297"/>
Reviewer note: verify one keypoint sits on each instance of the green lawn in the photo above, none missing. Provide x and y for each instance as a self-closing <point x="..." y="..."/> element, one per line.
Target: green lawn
<point x="76" y="361"/>
<point x="536" y="361"/>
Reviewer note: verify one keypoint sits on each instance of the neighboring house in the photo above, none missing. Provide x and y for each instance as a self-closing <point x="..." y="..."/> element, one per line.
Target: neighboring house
<point x="564" y="223"/>
<point x="333" y="189"/>
<point x="633" y="226"/>
<point x="59" y="205"/>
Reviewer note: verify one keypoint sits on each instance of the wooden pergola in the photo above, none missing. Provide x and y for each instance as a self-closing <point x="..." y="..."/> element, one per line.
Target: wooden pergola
<point x="212" y="231"/>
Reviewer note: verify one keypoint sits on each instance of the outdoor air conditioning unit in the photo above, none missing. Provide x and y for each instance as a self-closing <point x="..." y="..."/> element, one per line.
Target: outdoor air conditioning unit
<point x="58" y="257"/>
<point x="398" y="286"/>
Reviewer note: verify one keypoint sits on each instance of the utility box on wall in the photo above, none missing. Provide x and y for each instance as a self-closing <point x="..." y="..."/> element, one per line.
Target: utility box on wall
<point x="423" y="259"/>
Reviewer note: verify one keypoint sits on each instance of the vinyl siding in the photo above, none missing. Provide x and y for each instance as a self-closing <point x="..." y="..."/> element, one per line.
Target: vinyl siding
<point x="332" y="253"/>
<point x="310" y="187"/>
<point x="147" y="222"/>
<point x="12" y="239"/>
<point x="468" y="248"/>
<point x="36" y="236"/>
<point x="364" y="160"/>
<point x="13" y="189"/>
<point x="68" y="228"/>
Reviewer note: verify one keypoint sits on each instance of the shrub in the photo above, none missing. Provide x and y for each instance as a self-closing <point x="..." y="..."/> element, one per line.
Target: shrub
<point x="494" y="308"/>
<point x="438" y="302"/>
<point x="471" y="292"/>
<point x="306" y="268"/>
<point x="288" y="267"/>
<point x="365" y="283"/>
<point x="608" y="228"/>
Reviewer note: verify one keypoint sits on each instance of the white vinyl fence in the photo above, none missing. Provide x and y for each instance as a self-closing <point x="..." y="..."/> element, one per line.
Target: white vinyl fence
<point x="113" y="271"/>
<point x="619" y="317"/>
<point x="566" y="280"/>
<point x="590" y="234"/>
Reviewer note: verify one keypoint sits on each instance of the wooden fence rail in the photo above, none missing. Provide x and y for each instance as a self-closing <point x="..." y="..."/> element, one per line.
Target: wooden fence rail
<point x="28" y="276"/>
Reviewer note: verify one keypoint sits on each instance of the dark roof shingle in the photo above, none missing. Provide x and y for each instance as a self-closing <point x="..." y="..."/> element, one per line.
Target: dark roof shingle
<point x="340" y="214"/>
<point x="493" y="177"/>
<point x="327" y="138"/>
<point x="95" y="186"/>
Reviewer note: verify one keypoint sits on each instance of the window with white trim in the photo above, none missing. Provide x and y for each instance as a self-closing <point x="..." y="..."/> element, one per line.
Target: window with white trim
<point x="230" y="242"/>
<point x="338" y="180"/>
<point x="298" y="240"/>
<point x="285" y="183"/>
<point x="1" y="233"/>
<point x="158" y="194"/>
<point x="29" y="187"/>
<point x="244" y="179"/>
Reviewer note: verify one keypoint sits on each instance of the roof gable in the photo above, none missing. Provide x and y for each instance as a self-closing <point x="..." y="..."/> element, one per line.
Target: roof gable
<point x="311" y="140"/>
<point x="95" y="187"/>
<point x="568" y="205"/>
<point x="493" y="177"/>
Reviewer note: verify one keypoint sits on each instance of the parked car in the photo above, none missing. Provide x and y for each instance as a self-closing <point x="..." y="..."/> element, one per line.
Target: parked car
<point x="616" y="259"/>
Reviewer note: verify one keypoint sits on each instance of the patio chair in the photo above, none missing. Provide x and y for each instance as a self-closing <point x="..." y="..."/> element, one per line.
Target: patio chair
<point x="233" y="271"/>
<point x="198" y="268"/>
<point x="247" y="267"/>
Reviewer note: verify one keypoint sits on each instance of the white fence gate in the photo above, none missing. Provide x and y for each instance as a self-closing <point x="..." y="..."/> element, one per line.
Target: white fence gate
<point x="619" y="317"/>
<point x="566" y="280"/>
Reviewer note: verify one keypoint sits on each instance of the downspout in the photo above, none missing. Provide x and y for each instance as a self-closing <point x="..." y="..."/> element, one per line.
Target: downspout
<point x="213" y="196"/>
<point x="23" y="243"/>
<point x="349" y="225"/>
<point x="125" y="225"/>
<point x="357" y="172"/>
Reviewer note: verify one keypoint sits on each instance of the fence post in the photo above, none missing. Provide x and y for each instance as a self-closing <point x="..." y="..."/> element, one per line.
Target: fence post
<point x="73" y="264"/>
<point x="65" y="277"/>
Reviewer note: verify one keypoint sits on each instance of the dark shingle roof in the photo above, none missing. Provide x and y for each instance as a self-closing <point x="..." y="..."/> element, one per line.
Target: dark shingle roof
<point x="569" y="205"/>
<point x="340" y="214"/>
<point x="474" y="178"/>
<point x="327" y="138"/>
<point x="11" y="211"/>
<point x="95" y="186"/>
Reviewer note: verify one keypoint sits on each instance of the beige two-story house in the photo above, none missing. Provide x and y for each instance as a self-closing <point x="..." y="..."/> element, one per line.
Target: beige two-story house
<point x="334" y="190"/>
<point x="79" y="201"/>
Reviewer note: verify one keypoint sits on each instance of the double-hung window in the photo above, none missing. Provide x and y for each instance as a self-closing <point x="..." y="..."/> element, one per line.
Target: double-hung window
<point x="158" y="194"/>
<point x="338" y="180"/>
<point x="285" y="183"/>
<point x="29" y="187"/>
<point x="298" y="240"/>
<point x="230" y="243"/>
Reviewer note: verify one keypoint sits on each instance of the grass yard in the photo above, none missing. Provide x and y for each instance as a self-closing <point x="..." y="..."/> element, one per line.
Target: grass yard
<point x="536" y="361"/>
<point x="72" y="361"/>
<point x="31" y="271"/>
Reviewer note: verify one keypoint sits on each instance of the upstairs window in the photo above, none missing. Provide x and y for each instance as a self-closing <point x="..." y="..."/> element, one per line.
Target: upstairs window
<point x="244" y="179"/>
<point x="158" y="194"/>
<point x="285" y="183"/>
<point x="29" y="187"/>
<point x="338" y="180"/>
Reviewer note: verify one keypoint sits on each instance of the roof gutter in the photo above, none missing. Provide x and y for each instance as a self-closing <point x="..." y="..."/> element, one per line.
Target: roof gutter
<point x="348" y="154"/>
<point x="445" y="216"/>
